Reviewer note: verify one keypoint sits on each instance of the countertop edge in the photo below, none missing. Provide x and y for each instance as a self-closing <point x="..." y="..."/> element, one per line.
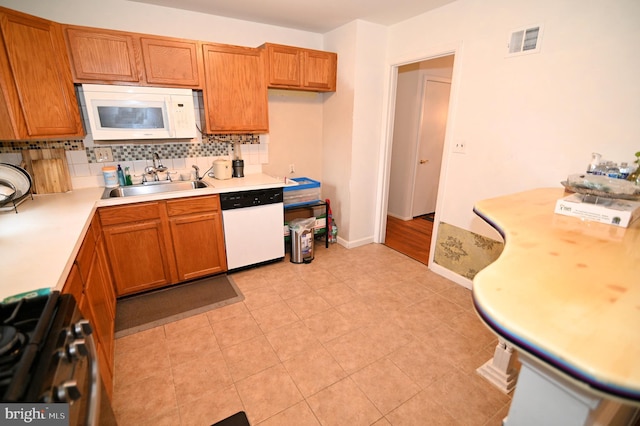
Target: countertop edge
<point x="40" y="242"/>
<point x="584" y="378"/>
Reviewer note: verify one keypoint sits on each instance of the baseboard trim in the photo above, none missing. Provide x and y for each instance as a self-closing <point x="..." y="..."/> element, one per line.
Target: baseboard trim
<point x="449" y="274"/>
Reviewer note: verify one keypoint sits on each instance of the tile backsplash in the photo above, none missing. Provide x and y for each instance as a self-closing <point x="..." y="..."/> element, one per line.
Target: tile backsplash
<point x="86" y="171"/>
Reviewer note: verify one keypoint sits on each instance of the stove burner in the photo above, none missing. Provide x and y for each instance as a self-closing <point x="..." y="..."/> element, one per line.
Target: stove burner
<point x="11" y="344"/>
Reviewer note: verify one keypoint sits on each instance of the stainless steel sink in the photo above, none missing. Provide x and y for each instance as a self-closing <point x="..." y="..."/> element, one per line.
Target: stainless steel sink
<point x="154" y="188"/>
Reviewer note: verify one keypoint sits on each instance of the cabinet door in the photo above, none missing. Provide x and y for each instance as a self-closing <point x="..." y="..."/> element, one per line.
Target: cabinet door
<point x="198" y="244"/>
<point x="74" y="285"/>
<point x="319" y="70"/>
<point x="137" y="253"/>
<point x="235" y="89"/>
<point x="171" y="62"/>
<point x="99" y="55"/>
<point x="37" y="97"/>
<point x="102" y="318"/>
<point x="285" y="66"/>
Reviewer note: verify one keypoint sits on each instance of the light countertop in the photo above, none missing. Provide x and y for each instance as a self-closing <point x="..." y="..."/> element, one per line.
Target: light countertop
<point x="40" y="242"/>
<point x="564" y="290"/>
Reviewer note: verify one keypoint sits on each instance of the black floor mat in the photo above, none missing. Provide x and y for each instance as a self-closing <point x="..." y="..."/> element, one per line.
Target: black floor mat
<point x="238" y="419"/>
<point x="428" y="216"/>
<point x="144" y="311"/>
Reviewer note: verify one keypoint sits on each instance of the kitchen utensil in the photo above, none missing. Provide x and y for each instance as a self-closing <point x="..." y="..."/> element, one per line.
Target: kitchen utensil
<point x="18" y="178"/>
<point x="50" y="176"/>
<point x="7" y="191"/>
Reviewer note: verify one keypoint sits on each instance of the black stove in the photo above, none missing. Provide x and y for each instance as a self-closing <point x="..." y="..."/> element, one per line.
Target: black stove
<point x="24" y="326"/>
<point x="47" y="356"/>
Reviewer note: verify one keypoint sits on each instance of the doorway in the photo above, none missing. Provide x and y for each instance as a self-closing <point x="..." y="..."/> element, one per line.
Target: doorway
<point x="420" y="117"/>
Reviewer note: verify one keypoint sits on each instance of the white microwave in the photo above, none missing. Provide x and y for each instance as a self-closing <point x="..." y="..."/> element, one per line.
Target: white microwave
<point x="135" y="112"/>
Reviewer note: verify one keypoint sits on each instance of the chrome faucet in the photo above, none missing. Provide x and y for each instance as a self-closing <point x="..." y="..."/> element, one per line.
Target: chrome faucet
<point x="198" y="177"/>
<point x="157" y="167"/>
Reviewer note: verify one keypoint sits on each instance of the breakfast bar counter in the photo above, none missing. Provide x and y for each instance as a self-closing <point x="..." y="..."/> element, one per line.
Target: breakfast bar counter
<point x="566" y="294"/>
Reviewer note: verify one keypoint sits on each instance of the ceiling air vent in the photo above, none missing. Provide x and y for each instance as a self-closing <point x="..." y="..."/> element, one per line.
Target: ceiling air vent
<point x="524" y="41"/>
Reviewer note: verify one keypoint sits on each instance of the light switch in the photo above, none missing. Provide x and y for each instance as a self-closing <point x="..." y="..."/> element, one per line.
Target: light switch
<point x="103" y="155"/>
<point x="460" y="147"/>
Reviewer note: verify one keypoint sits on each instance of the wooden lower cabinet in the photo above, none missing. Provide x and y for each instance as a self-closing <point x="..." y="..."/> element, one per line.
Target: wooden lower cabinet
<point x="152" y="245"/>
<point x="98" y="305"/>
<point x="196" y="231"/>
<point x="90" y="283"/>
<point x="137" y="255"/>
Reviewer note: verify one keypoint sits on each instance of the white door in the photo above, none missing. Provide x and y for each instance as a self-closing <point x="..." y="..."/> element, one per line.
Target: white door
<point x="433" y="123"/>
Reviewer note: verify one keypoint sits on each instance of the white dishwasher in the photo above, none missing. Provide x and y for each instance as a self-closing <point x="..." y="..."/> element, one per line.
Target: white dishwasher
<point x="253" y="226"/>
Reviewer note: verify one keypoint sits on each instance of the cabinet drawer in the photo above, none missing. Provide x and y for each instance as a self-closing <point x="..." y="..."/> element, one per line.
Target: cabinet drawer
<point x="129" y="213"/>
<point x="193" y="205"/>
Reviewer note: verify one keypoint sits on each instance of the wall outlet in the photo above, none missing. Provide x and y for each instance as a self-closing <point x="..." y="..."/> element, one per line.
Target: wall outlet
<point x="292" y="168"/>
<point x="103" y="155"/>
<point x="460" y="147"/>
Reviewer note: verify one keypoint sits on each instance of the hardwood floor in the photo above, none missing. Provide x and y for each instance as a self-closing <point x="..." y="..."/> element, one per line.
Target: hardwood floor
<point x="410" y="237"/>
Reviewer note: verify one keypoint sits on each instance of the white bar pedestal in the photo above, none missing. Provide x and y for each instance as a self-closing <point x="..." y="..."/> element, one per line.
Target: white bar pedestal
<point x="545" y="397"/>
<point x="500" y="370"/>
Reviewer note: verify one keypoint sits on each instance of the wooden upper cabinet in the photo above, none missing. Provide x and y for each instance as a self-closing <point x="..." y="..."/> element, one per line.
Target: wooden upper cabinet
<point x="301" y="69"/>
<point x="171" y="62"/>
<point x="284" y="66"/>
<point x="99" y="55"/>
<point x="107" y="56"/>
<point x="319" y="70"/>
<point x="37" y="97"/>
<point x="235" y="89"/>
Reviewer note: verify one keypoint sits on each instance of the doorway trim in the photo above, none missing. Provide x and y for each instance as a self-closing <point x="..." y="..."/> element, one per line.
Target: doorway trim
<point x="384" y="165"/>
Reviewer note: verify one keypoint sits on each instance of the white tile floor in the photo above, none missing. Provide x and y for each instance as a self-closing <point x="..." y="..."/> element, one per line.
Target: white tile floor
<point x="364" y="336"/>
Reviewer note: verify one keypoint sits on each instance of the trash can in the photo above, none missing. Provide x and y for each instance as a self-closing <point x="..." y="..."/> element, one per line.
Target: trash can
<point x="302" y="239"/>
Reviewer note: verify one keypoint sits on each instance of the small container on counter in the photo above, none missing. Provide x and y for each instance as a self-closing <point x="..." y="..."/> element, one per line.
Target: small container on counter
<point x="120" y="173"/>
<point x="110" y="174"/>
<point x="127" y="177"/>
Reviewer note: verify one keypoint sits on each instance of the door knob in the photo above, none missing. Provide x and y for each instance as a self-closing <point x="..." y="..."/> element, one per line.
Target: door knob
<point x="424" y="161"/>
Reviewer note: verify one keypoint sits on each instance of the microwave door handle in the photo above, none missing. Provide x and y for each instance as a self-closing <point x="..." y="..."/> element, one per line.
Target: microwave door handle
<point x="167" y="105"/>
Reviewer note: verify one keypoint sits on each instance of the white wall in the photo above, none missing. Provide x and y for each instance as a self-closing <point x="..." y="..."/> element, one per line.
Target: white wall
<point x="529" y="121"/>
<point x="295" y="134"/>
<point x="352" y="124"/>
<point x="149" y="19"/>
<point x="295" y="119"/>
<point x="338" y="128"/>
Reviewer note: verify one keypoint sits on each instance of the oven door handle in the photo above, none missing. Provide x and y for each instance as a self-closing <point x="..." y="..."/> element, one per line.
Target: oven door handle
<point x="93" y="412"/>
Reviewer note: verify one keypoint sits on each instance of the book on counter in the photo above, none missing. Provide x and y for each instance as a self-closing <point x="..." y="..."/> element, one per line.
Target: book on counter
<point x="604" y="210"/>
